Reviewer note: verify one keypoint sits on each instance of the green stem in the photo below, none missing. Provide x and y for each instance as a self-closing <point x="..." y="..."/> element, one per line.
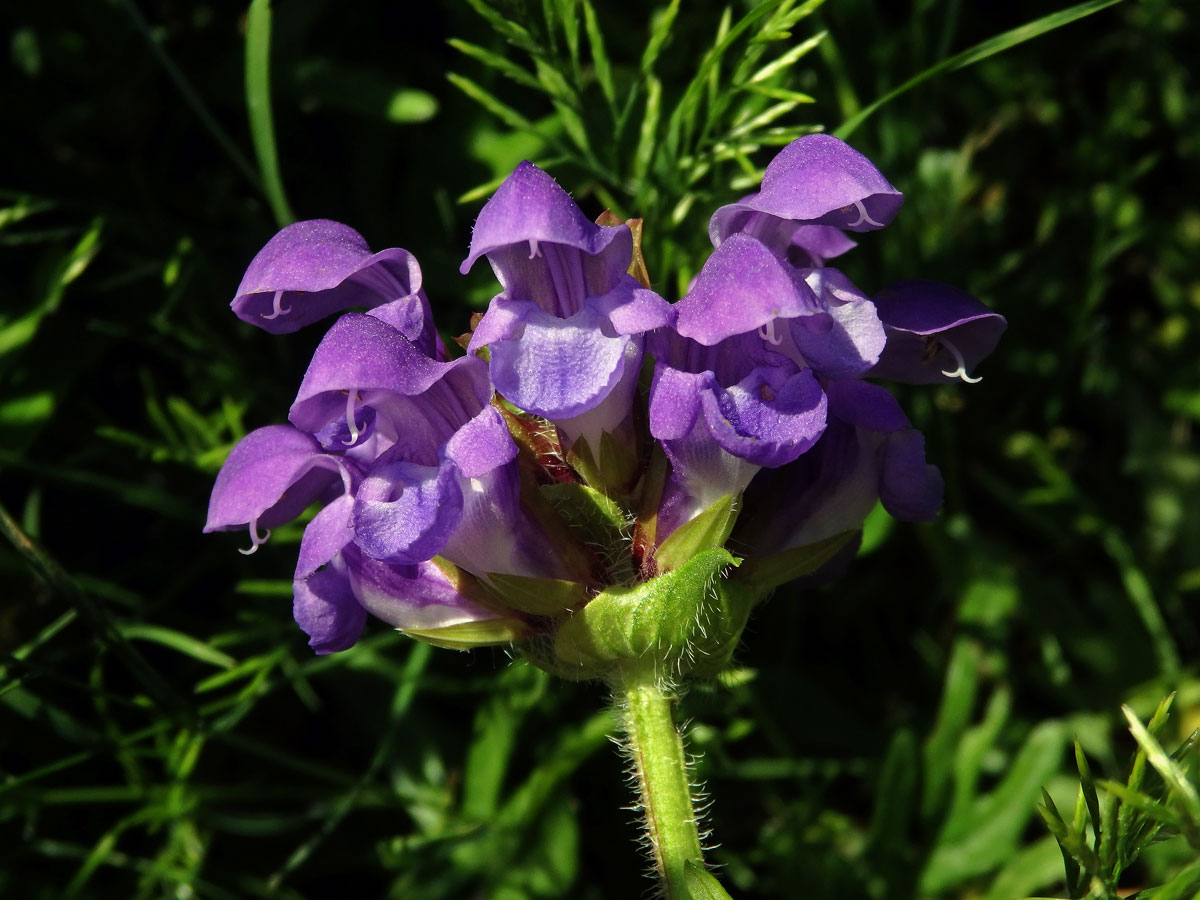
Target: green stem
<point x="656" y="750"/>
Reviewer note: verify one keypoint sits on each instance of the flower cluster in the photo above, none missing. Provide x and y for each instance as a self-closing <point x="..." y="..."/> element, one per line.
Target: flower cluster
<point x="595" y="440"/>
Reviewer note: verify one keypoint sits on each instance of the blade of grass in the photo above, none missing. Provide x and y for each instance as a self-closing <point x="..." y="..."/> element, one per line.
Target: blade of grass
<point x="980" y="51"/>
<point x="223" y="140"/>
<point x="62" y="584"/>
<point x="258" y="106"/>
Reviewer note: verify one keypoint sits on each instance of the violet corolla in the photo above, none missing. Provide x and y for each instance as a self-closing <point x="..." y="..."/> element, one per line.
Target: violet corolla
<point x="574" y="484"/>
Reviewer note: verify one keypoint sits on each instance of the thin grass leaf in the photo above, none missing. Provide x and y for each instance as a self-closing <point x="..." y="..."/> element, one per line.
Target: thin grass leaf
<point x="177" y="641"/>
<point x="258" y="107"/>
<point x="1141" y="595"/>
<point x="600" y="61"/>
<point x="788" y="59"/>
<point x="514" y="33"/>
<point x="569" y="23"/>
<point x="686" y="109"/>
<point x="660" y="31"/>
<point x="1177" y="780"/>
<point x="648" y="134"/>
<point x="1185" y="884"/>
<point x="766" y="117"/>
<point x="500" y="110"/>
<point x="501" y="64"/>
<point x="1071" y="839"/>
<point x="1087" y="786"/>
<point x="979" y="52"/>
<point x="406" y="690"/>
<point x="958" y="699"/>
<point x="191" y="97"/>
<point x="777" y="93"/>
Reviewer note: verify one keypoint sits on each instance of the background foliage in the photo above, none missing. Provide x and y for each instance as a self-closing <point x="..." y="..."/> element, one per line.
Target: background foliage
<point x="164" y="730"/>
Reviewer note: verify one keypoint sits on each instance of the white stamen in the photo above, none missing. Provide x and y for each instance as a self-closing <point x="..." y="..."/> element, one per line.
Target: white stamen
<point x="255" y="539"/>
<point x="279" y="309"/>
<point x="534" y="253"/>
<point x="347" y="485"/>
<point x="767" y="333"/>
<point x="863" y="217"/>
<point x="961" y="371"/>
<point x="351" y="397"/>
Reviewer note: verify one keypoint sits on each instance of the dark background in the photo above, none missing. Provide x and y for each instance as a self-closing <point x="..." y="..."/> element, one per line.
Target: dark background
<point x="164" y="730"/>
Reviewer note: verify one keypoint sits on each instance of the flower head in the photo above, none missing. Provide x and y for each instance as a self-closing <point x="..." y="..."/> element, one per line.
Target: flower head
<point x="539" y="488"/>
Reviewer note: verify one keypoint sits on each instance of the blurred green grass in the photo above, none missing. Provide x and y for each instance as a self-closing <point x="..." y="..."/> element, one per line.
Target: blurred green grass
<point x="164" y="730"/>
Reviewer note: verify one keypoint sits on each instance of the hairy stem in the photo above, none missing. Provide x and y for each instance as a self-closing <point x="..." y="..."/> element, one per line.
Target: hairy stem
<point x="656" y="750"/>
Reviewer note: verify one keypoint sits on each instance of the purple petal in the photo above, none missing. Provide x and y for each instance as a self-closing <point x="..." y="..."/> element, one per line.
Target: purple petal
<point x="330" y="531"/>
<point x="909" y="488"/>
<point x="559" y="368"/>
<point x="632" y="309"/>
<point x="820" y="242"/>
<point x="270" y="477"/>
<point x="530" y="209"/>
<point x="742" y="287"/>
<point x="314" y="268"/>
<point x="404" y="513"/>
<point x="503" y="317"/>
<point x="768" y="418"/>
<point x="828" y="491"/>
<point x="854" y="338"/>
<point x="481" y="445"/>
<point x="865" y="405"/>
<point x="936" y="333"/>
<point x="675" y="400"/>
<point x="702" y="472"/>
<point x="369" y="357"/>
<point x="327" y="611"/>
<point x="416" y="596"/>
<point x="816" y="179"/>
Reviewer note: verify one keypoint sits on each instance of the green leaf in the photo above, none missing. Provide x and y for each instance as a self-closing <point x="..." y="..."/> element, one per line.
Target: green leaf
<point x="538" y="596"/>
<point x="258" y="106"/>
<point x="980" y="51"/>
<point x="660" y="31"/>
<point x="954" y="713"/>
<point x="767" y="573"/>
<point x="501" y="64"/>
<point x="593" y="516"/>
<point x="657" y="623"/>
<point x="1001" y="816"/>
<point x="466" y="635"/>
<point x="706" y="531"/>
<point x="1178" y="783"/>
<point x="701" y="883"/>
<point x="600" y="60"/>
<point x="896" y="798"/>
<point x="1088" y="786"/>
<point x="177" y="641"/>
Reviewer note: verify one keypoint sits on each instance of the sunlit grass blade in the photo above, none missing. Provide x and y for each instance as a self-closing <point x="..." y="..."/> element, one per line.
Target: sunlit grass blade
<point x="176" y="640"/>
<point x="1177" y="780"/>
<point x="980" y="51"/>
<point x="600" y="61"/>
<point x="503" y="65"/>
<point x="258" y="106"/>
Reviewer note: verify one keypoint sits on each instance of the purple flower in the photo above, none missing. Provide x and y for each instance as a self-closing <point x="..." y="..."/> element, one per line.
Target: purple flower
<point x="936" y="333"/>
<point x="269" y="478"/>
<point x="815" y="180"/>
<point x="564" y="335"/>
<point x="312" y="269"/>
<point x="727" y="398"/>
<point x="463" y="518"/>
<point x="869" y="452"/>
